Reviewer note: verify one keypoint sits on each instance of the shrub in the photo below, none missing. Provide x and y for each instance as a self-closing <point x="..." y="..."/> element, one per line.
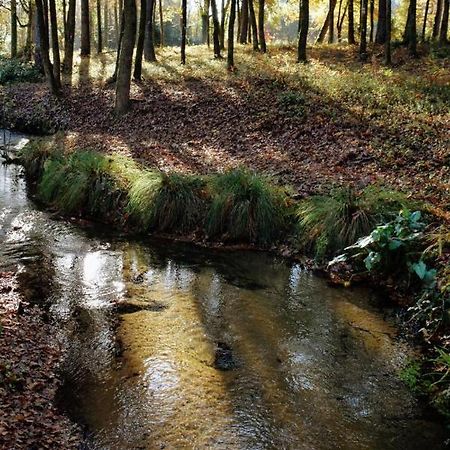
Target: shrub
<point x="292" y="103"/>
<point x="328" y="224"/>
<point x="16" y="71"/>
<point x="246" y="207"/>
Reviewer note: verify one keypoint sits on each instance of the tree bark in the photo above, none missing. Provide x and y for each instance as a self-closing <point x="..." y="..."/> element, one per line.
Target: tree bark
<point x="340" y="22"/>
<point x="351" y="23"/>
<point x="262" y="35"/>
<point x="387" y="42"/>
<point x="55" y="44"/>
<point x="99" y="28"/>
<point x="363" y="32"/>
<point x="205" y="21"/>
<point x="123" y="83"/>
<point x="225" y="7"/>
<point x="44" y="47"/>
<point x="105" y="24"/>
<point x="85" y="29"/>
<point x="380" y="37"/>
<point x="161" y="25"/>
<point x="137" y="75"/>
<point x="437" y="20"/>
<point x="216" y="29"/>
<point x="444" y="24"/>
<point x="372" y="8"/>
<point x="303" y="34"/>
<point x="13" y="28"/>
<point x="230" y="55"/>
<point x="425" y="18"/>
<point x="149" y="42"/>
<point x="253" y="25"/>
<point x="244" y="23"/>
<point x="410" y="34"/>
<point x="69" y="37"/>
<point x="183" y="30"/>
<point x="331" y="22"/>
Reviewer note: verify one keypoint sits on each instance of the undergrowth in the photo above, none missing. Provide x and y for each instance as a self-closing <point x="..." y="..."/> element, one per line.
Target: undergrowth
<point x="17" y="71"/>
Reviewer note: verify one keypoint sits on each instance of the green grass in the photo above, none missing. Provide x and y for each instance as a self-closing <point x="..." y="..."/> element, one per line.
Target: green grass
<point x="246" y="206"/>
<point x="328" y="224"/>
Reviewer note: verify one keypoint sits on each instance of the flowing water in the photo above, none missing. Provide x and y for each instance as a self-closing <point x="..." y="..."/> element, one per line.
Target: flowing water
<point x="308" y="366"/>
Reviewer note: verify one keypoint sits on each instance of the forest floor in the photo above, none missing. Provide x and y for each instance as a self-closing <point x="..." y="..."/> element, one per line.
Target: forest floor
<point x="28" y="377"/>
<point x="331" y="121"/>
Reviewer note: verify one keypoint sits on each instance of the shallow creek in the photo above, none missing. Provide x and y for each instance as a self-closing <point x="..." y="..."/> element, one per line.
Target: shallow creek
<point x="308" y="366"/>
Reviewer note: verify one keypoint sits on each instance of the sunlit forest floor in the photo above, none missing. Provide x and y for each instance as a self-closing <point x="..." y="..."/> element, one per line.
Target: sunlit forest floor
<point x="331" y="121"/>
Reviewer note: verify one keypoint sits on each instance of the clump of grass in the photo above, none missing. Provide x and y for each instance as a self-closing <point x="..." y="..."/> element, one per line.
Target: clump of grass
<point x="179" y="204"/>
<point x="246" y="207"/>
<point x="292" y="103"/>
<point x="33" y="157"/>
<point x="330" y="223"/>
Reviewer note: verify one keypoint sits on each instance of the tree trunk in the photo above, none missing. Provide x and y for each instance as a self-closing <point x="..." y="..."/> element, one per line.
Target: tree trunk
<point x="113" y="79"/>
<point x="324" y="29"/>
<point x="69" y="37"/>
<point x="230" y="55"/>
<point x="425" y="18"/>
<point x="351" y="23"/>
<point x="225" y="7"/>
<point x="262" y="35"/>
<point x="372" y="8"/>
<point x="149" y="42"/>
<point x="253" y="25"/>
<point x="55" y="44"/>
<point x="437" y="20"/>
<point x="99" y="28"/>
<point x="137" y="75"/>
<point x="363" y="32"/>
<point x="303" y="35"/>
<point x="444" y="24"/>
<point x="85" y="29"/>
<point x="380" y="37"/>
<point x="48" y="69"/>
<point x="331" y="22"/>
<point x="161" y="25"/>
<point x="387" y="42"/>
<point x="13" y="28"/>
<point x="216" y="29"/>
<point x="410" y="35"/>
<point x="244" y="22"/>
<point x="29" y="43"/>
<point x="340" y="22"/>
<point x="116" y="22"/>
<point x="205" y="21"/>
<point x="105" y="24"/>
<point x="126" y="57"/>
<point x="183" y="30"/>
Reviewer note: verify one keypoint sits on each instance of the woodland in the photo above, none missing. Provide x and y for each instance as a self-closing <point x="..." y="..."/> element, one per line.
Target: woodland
<point x="315" y="130"/>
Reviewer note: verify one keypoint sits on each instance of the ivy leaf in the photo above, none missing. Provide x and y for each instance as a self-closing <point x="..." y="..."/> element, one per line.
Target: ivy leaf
<point x="373" y="258"/>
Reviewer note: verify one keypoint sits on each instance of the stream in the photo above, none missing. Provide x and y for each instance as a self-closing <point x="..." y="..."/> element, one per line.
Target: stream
<point x="171" y="346"/>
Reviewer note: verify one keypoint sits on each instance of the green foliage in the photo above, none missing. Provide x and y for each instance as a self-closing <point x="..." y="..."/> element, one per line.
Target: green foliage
<point x="179" y="203"/>
<point x="330" y="223"/>
<point x="16" y="71"/>
<point x="440" y="51"/>
<point x="411" y="374"/>
<point x="292" y="103"/>
<point x="246" y="207"/>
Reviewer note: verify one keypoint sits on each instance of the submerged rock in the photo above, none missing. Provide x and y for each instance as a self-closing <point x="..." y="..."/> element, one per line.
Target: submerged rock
<point x="223" y="359"/>
<point x="128" y="307"/>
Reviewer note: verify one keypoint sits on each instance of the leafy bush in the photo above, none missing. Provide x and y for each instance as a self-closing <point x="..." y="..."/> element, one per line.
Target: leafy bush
<point x="292" y="103"/>
<point x="16" y="71"/>
<point x="246" y="207"/>
<point x="330" y="223"/>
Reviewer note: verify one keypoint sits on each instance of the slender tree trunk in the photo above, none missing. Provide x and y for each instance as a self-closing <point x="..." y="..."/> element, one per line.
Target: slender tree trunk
<point x="238" y="33"/>
<point x="99" y="28"/>
<point x="372" y="8"/>
<point x="253" y="25"/>
<point x="225" y="7"/>
<point x="48" y="69"/>
<point x="216" y="29"/>
<point x="105" y="24"/>
<point x="55" y="44"/>
<point x="303" y="34"/>
<point x="230" y="55"/>
<point x="340" y="22"/>
<point x="262" y="35"/>
<point x="410" y="35"/>
<point x="437" y="19"/>
<point x="351" y="23"/>
<point x="363" y="33"/>
<point x="113" y="79"/>
<point x="244" y="22"/>
<point x="116" y="22"/>
<point x="29" y="43"/>
<point x="13" y="28"/>
<point x="85" y="29"/>
<point x="425" y="18"/>
<point x="69" y="37"/>
<point x="444" y="24"/>
<point x="123" y="83"/>
<point x="324" y="29"/>
<point x="380" y="37"/>
<point x="205" y="21"/>
<point x="37" y="32"/>
<point x="183" y="30"/>
<point x="331" y="22"/>
<point x="149" y="42"/>
<point x="140" y="41"/>
<point x="387" y="42"/>
<point x="161" y="25"/>
<point x="64" y="3"/>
